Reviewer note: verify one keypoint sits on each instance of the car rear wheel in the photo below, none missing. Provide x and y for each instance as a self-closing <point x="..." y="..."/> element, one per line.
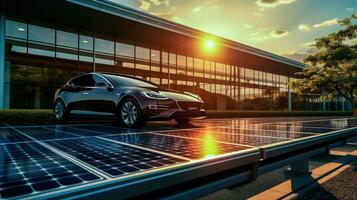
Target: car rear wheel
<point x="182" y="121"/>
<point x="60" y="112"/>
<point x="130" y="114"/>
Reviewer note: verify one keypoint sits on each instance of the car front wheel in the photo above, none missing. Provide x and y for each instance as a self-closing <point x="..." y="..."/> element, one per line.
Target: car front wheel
<point x="60" y="112"/>
<point x="130" y="114"/>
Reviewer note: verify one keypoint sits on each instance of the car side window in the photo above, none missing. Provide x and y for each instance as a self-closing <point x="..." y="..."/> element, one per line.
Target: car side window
<point x="99" y="81"/>
<point x="86" y="80"/>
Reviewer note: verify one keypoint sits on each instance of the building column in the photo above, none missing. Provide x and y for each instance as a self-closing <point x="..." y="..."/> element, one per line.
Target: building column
<point x="2" y="60"/>
<point x="289" y="96"/>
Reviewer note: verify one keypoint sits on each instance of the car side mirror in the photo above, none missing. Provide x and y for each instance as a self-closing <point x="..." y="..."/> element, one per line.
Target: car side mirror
<point x="110" y="88"/>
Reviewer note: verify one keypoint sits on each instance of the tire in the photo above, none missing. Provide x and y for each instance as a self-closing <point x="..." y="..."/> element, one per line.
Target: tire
<point x="60" y="112"/>
<point x="130" y="114"/>
<point x="183" y="121"/>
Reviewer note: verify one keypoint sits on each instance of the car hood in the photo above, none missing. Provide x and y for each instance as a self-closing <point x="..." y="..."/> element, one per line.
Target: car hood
<point x="176" y="95"/>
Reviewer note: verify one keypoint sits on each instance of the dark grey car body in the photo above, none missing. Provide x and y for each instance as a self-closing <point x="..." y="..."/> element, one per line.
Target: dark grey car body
<point x="102" y="92"/>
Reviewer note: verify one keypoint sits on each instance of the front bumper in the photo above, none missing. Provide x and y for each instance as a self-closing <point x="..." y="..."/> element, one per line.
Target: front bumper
<point x="178" y="114"/>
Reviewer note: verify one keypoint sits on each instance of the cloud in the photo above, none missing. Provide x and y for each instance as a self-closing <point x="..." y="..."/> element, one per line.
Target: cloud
<point x="304" y="27"/>
<point x="144" y="5"/>
<point x="247" y="26"/>
<point x="165" y="14"/>
<point x="272" y="3"/>
<point x="197" y="9"/>
<point x="299" y="55"/>
<point x="160" y="2"/>
<point x="308" y="44"/>
<point x="329" y="22"/>
<point x="258" y="14"/>
<point x="177" y="20"/>
<point x="278" y="33"/>
<point x="350" y="9"/>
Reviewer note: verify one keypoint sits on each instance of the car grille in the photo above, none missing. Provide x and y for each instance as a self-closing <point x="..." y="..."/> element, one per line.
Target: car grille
<point x="189" y="105"/>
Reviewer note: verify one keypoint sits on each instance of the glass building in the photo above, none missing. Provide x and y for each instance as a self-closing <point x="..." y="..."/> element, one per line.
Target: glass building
<point x="43" y="43"/>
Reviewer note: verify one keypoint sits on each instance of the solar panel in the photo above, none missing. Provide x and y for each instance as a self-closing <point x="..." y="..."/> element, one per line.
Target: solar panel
<point x="186" y="147"/>
<point x="8" y="135"/>
<point x="29" y="168"/>
<point x="99" y="130"/>
<point x="46" y="133"/>
<point x="258" y="132"/>
<point x="289" y="127"/>
<point x="112" y="158"/>
<point x="336" y="124"/>
<point x="244" y="139"/>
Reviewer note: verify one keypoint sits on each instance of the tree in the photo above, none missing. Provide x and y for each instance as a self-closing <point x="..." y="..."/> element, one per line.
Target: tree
<point x="332" y="70"/>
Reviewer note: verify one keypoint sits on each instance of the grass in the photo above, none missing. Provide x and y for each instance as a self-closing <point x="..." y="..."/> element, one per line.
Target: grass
<point x="44" y="115"/>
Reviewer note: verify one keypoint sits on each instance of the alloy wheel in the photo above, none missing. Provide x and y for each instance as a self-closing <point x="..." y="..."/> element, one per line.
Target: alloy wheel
<point x="59" y="110"/>
<point x="129" y="113"/>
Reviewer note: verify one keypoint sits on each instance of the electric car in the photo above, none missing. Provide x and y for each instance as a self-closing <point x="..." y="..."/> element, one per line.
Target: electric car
<point x="132" y="100"/>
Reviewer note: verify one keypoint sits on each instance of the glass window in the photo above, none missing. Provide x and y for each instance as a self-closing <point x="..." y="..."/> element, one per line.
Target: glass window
<point x="128" y="81"/>
<point x="125" y="50"/>
<point x="86" y="42"/>
<point x="172" y="58"/>
<point x="16" y="29"/>
<point x="99" y="80"/>
<point x="165" y="59"/>
<point x="142" y="53"/>
<point x="86" y="80"/>
<point x="104" y="46"/>
<point x="67" y="39"/>
<point x="41" y="34"/>
<point x="155" y="56"/>
<point x="181" y="60"/>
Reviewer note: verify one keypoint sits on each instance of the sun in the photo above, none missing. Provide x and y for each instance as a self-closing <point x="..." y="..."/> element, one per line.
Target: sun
<point x="209" y="44"/>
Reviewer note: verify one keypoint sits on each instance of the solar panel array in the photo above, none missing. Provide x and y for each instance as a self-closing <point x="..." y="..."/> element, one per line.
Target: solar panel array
<point x="30" y="168"/>
<point x="37" y="160"/>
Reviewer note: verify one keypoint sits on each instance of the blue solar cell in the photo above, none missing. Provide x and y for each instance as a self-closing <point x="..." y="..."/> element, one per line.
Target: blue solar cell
<point x="186" y="147"/>
<point x="257" y="132"/>
<point x="289" y="127"/>
<point x="112" y="158"/>
<point x="244" y="139"/>
<point x="8" y="135"/>
<point x="27" y="168"/>
<point x="46" y="133"/>
<point x="100" y="130"/>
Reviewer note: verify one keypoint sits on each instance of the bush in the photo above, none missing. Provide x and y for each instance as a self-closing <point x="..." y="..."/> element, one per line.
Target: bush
<point x="26" y="115"/>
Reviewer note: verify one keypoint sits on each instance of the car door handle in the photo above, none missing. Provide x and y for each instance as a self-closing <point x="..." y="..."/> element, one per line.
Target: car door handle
<point x="85" y="93"/>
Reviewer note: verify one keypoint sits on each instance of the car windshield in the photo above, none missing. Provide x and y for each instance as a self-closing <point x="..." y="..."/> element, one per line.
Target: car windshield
<point x="127" y="81"/>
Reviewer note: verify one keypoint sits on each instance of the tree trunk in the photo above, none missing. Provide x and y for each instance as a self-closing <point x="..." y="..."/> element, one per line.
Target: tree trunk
<point x="354" y="109"/>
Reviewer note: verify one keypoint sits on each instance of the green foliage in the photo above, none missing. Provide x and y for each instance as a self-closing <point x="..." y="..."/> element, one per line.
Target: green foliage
<point x="332" y="70"/>
<point x="26" y="115"/>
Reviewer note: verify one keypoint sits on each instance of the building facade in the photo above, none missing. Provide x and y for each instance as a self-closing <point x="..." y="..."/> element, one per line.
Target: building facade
<point x="43" y="43"/>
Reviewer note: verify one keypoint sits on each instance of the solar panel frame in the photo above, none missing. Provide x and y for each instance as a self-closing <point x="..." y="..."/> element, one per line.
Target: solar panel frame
<point x="269" y="151"/>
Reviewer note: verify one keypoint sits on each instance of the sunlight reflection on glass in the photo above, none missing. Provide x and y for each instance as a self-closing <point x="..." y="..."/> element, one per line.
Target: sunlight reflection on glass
<point x="210" y="147"/>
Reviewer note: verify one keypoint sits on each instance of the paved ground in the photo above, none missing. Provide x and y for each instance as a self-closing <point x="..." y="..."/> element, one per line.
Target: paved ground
<point x="340" y="183"/>
<point x="38" y="159"/>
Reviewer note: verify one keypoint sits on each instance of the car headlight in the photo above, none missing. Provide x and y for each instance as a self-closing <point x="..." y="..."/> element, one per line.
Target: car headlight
<point x="194" y="95"/>
<point x="153" y="95"/>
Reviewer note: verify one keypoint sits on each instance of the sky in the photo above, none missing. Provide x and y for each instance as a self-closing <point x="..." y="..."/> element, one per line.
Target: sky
<point x="283" y="27"/>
